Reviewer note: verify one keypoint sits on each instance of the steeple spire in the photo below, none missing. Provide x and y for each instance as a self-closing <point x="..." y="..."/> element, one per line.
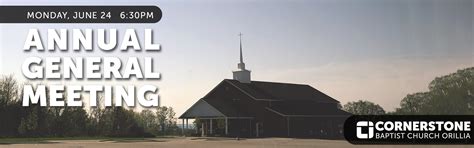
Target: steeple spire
<point x="241" y="58"/>
<point x="241" y="65"/>
<point x="242" y="75"/>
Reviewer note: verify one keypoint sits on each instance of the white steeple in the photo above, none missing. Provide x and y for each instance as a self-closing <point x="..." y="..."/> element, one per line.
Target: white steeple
<point x="242" y="75"/>
<point x="241" y="65"/>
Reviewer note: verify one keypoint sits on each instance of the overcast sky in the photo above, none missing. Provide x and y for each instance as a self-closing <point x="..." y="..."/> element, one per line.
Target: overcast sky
<point x="376" y="50"/>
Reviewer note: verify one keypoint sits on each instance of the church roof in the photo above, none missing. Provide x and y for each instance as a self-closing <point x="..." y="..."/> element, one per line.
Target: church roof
<point x="273" y="91"/>
<point x="292" y="94"/>
<point x="202" y="109"/>
<point x="304" y="109"/>
<point x="211" y="108"/>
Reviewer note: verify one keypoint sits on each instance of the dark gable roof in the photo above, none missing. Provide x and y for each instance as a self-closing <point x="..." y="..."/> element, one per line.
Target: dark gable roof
<point x="293" y="99"/>
<point x="281" y="91"/>
<point x="228" y="108"/>
<point x="305" y="108"/>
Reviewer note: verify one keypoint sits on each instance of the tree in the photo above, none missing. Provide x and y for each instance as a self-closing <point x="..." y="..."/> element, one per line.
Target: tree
<point x="36" y="120"/>
<point x="165" y="118"/>
<point x="448" y="95"/>
<point x="10" y="106"/>
<point x="148" y="121"/>
<point x="74" y="121"/>
<point x="414" y="104"/>
<point x="29" y="124"/>
<point x="363" y="108"/>
<point x="97" y="118"/>
<point x="8" y="90"/>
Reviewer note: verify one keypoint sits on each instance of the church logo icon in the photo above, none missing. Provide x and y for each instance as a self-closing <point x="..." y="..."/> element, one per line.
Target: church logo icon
<point x="365" y="135"/>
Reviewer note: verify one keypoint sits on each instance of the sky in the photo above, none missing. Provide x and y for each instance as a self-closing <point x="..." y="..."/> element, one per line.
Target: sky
<point x="375" y="50"/>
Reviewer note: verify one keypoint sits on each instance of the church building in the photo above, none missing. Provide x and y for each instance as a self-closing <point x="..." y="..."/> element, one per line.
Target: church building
<point x="242" y="107"/>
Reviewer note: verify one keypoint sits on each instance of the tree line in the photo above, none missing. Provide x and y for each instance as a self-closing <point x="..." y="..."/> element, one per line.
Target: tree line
<point x="452" y="94"/>
<point x="37" y="121"/>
